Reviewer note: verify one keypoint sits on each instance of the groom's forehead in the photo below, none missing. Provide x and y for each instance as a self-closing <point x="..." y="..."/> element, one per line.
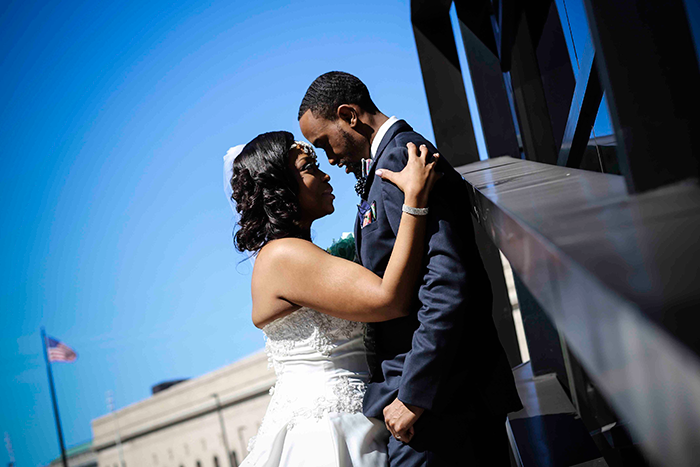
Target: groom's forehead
<point x="313" y="127"/>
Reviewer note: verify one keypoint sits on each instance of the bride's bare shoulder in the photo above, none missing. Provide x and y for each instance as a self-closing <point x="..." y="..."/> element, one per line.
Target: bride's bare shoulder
<point x="284" y="250"/>
<point x="277" y="265"/>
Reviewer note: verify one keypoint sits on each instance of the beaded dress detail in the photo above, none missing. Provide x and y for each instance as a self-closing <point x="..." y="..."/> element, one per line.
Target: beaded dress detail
<point x="321" y="364"/>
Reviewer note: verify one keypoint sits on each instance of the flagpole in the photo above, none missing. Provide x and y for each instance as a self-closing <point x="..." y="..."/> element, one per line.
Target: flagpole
<point x="53" y="399"/>
<point x="223" y="429"/>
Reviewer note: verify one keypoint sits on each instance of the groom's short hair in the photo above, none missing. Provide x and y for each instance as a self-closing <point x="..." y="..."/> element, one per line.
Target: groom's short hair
<point x="333" y="89"/>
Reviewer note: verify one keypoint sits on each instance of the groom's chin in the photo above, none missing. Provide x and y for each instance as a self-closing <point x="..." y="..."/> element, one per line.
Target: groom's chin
<point x="352" y="168"/>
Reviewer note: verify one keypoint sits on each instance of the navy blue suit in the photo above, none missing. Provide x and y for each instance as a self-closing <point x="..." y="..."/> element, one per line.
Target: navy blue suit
<point x="445" y="356"/>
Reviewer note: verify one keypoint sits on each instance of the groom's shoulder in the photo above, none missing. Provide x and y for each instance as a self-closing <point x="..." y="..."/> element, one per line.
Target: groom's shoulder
<point x="410" y="136"/>
<point x="396" y="153"/>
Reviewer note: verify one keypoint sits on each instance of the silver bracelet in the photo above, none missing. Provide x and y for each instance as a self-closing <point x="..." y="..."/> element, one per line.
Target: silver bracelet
<point x="415" y="211"/>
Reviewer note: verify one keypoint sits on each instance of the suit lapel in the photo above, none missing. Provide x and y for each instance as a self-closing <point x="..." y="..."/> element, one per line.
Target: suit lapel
<point x="398" y="127"/>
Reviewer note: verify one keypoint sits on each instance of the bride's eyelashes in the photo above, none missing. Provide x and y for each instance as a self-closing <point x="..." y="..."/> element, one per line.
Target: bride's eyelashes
<point x="310" y="166"/>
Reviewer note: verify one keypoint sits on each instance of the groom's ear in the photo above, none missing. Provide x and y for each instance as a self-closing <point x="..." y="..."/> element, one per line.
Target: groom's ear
<point x="348" y="113"/>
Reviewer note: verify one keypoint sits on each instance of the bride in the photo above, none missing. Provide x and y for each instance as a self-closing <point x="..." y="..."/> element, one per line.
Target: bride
<point x="312" y="306"/>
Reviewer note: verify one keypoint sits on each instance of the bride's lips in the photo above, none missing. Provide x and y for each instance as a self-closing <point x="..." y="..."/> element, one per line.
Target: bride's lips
<point x="329" y="192"/>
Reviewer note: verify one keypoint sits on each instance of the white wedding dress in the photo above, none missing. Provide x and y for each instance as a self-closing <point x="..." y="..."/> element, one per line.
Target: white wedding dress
<point x="315" y="414"/>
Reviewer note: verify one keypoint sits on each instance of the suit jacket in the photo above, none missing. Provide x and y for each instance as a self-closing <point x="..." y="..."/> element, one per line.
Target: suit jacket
<point x="446" y="353"/>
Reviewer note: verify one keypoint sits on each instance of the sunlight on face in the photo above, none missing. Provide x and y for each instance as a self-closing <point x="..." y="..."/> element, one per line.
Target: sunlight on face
<point x="315" y="192"/>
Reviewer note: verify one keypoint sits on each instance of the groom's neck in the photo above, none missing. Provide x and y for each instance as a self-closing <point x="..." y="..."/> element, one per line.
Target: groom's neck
<point x="375" y="122"/>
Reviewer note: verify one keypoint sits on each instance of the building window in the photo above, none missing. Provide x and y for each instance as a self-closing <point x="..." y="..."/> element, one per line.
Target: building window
<point x="199" y="464"/>
<point x="216" y="461"/>
<point x="204" y="444"/>
<point x="234" y="458"/>
<point x="155" y="459"/>
<point x="242" y="437"/>
<point x="170" y="454"/>
<point x="187" y="449"/>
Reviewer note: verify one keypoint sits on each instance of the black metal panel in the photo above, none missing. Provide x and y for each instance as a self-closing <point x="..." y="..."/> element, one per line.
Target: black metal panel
<point x="443" y="81"/>
<point x="476" y="16"/>
<point x="530" y="99"/>
<point x="489" y="88"/>
<point x="505" y="26"/>
<point x="582" y="114"/>
<point x="650" y="75"/>
<point x="557" y="76"/>
<point x="618" y="276"/>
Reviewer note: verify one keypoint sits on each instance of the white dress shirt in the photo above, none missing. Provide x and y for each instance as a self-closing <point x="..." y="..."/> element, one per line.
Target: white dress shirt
<point x="380" y="135"/>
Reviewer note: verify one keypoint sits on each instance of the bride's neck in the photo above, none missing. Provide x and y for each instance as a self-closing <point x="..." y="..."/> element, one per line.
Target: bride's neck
<point x="305" y="232"/>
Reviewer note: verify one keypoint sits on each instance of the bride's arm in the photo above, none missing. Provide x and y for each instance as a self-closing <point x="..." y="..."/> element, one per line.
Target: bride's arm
<point x="297" y="271"/>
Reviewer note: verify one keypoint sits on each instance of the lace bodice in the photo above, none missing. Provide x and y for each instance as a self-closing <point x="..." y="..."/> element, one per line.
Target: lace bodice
<point x="307" y="329"/>
<point x="321" y="367"/>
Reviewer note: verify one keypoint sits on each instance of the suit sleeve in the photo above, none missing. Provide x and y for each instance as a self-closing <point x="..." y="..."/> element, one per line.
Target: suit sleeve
<point x="442" y="290"/>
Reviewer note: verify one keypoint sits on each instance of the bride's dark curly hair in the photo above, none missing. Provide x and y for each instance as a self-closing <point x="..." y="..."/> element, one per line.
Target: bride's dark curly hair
<point x="265" y="192"/>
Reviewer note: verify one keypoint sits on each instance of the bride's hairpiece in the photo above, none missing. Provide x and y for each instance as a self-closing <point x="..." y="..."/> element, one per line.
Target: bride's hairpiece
<point x="304" y="147"/>
<point x="359" y="169"/>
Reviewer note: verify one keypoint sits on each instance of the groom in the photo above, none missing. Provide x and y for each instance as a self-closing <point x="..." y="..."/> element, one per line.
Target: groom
<point x="442" y="383"/>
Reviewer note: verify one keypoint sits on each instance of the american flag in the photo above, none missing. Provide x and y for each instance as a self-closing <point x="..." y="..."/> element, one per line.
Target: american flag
<point x="60" y="352"/>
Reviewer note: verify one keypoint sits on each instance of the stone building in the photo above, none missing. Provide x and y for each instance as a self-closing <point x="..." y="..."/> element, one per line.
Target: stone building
<point x="181" y="426"/>
<point x="82" y="455"/>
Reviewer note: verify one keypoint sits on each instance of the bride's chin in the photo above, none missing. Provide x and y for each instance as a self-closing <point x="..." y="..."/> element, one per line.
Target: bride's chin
<point x="328" y="212"/>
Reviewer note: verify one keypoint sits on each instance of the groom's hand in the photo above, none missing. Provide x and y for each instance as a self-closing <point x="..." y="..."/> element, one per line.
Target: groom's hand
<point x="399" y="419"/>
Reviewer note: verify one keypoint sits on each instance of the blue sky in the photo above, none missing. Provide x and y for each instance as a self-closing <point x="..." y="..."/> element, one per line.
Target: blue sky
<point x="116" y="234"/>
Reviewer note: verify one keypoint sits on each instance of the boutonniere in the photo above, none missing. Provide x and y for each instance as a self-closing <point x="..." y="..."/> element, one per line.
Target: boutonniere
<point x="361" y="171"/>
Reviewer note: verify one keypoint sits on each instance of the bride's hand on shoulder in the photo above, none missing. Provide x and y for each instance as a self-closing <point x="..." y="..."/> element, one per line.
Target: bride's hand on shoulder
<point x="417" y="178"/>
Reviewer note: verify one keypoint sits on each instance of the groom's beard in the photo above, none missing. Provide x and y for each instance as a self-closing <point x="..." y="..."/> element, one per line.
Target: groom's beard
<point x="354" y="168"/>
<point x="351" y="147"/>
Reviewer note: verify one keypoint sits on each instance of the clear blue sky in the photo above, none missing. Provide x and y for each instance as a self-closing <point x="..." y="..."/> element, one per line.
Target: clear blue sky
<point x="116" y="234"/>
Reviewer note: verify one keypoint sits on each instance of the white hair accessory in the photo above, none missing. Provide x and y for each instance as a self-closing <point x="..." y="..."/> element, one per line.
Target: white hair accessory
<point x="304" y="147"/>
<point x="230" y="156"/>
